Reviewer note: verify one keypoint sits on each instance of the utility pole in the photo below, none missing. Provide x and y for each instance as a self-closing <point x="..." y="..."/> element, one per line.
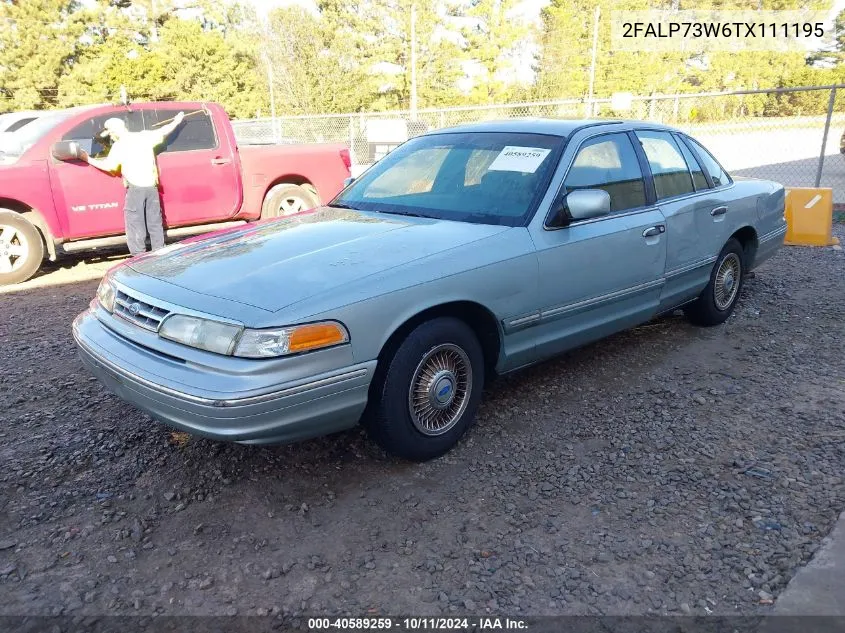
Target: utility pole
<point x="414" y="62"/>
<point x="153" y="27"/>
<point x="270" y="79"/>
<point x="270" y="82"/>
<point x="593" y="63"/>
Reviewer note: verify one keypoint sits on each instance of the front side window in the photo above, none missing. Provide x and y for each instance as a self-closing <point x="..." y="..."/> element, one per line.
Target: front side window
<point x="717" y="174"/>
<point x="87" y="133"/>
<point x="668" y="168"/>
<point x="196" y="131"/>
<point x="609" y="162"/>
<point x="481" y="177"/>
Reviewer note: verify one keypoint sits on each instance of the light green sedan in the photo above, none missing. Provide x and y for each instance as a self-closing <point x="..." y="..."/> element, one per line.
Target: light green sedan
<point x="464" y="253"/>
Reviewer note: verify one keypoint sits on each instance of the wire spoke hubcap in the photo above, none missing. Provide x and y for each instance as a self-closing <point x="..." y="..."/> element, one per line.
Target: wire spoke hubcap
<point x="727" y="281"/>
<point x="13" y="249"/>
<point x="440" y="389"/>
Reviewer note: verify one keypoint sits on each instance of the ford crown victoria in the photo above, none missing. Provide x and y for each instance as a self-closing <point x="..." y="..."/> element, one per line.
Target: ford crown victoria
<point x="463" y="254"/>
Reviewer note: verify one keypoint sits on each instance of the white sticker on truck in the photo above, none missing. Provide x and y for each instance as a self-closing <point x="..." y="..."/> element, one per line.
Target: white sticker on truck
<point x="522" y="159"/>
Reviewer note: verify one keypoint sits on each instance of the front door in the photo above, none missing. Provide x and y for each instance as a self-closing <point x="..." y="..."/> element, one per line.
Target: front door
<point x="601" y="275"/>
<point x="92" y="198"/>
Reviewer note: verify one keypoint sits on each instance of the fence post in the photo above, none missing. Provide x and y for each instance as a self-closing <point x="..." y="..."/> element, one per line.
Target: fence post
<point x="824" y="137"/>
<point x="352" y="137"/>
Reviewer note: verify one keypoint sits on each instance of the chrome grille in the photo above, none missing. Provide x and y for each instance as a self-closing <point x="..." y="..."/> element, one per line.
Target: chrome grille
<point x="139" y="312"/>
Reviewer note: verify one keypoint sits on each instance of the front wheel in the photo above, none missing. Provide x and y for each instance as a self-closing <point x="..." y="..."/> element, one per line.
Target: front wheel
<point x="21" y="248"/>
<point x="719" y="298"/>
<point x="430" y="392"/>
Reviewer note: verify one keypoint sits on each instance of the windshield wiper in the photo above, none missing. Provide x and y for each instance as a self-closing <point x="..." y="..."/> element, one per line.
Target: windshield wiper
<point x="340" y="205"/>
<point x="481" y="218"/>
<point x="409" y="214"/>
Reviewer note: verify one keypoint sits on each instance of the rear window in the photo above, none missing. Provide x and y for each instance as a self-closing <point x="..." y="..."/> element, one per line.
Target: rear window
<point x="483" y="177"/>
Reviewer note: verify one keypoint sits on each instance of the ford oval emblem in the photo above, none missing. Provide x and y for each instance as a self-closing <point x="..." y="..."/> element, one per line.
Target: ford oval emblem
<point x="444" y="391"/>
<point x="134" y="309"/>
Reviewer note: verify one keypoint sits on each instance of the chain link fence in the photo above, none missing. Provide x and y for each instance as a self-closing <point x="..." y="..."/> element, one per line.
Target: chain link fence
<point x="789" y="135"/>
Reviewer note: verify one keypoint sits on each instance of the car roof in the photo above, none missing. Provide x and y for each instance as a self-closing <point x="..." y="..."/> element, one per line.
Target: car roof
<point x="101" y="108"/>
<point x="550" y="127"/>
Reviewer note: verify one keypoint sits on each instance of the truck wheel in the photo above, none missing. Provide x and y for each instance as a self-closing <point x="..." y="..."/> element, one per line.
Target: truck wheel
<point x="21" y="248"/>
<point x="286" y="199"/>
<point x="428" y="392"/>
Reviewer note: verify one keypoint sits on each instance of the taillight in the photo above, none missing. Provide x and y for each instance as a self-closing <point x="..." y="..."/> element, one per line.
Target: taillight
<point x="347" y="159"/>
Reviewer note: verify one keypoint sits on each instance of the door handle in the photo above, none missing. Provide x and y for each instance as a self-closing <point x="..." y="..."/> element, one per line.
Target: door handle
<point x="654" y="231"/>
<point x="220" y="161"/>
<point x="719" y="211"/>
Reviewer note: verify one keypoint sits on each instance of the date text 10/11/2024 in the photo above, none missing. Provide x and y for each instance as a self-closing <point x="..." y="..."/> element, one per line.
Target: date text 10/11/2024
<point x="417" y="624"/>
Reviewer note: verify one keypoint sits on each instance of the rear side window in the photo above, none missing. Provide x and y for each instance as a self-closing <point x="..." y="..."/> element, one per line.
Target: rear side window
<point x="609" y="162"/>
<point x="698" y="178"/>
<point x="717" y="174"/>
<point x="196" y="131"/>
<point x="19" y="124"/>
<point x="87" y="133"/>
<point x="668" y="167"/>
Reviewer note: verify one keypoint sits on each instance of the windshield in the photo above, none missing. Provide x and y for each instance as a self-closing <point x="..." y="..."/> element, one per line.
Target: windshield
<point x="18" y="142"/>
<point x="482" y="177"/>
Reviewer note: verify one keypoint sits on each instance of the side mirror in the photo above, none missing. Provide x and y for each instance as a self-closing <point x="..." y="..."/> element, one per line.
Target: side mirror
<point x="348" y="181"/>
<point x="583" y="204"/>
<point x="65" y="150"/>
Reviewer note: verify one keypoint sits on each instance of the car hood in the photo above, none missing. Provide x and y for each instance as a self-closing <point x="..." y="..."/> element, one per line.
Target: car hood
<point x="276" y="263"/>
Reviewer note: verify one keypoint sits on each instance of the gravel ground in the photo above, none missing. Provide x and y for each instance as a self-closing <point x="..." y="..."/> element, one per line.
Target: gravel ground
<point x="668" y="469"/>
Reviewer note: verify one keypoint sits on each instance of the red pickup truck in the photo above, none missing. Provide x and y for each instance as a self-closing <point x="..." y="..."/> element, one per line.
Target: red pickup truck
<point x="50" y="207"/>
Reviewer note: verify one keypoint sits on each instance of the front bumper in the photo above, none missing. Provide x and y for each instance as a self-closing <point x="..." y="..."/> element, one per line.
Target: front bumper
<point x="291" y="410"/>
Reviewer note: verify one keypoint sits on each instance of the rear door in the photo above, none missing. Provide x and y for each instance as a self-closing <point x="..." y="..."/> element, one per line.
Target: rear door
<point x="683" y="195"/>
<point x="601" y="275"/>
<point x="92" y="200"/>
<point x="198" y="173"/>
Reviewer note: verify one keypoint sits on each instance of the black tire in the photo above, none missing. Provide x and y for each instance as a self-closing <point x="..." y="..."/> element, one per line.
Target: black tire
<point x="389" y="420"/>
<point x="286" y="199"/>
<point x="712" y="307"/>
<point x="21" y="248"/>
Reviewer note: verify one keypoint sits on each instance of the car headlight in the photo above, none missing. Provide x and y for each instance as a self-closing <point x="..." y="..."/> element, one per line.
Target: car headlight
<point x="212" y="336"/>
<point x="105" y="294"/>
<point x="290" y="340"/>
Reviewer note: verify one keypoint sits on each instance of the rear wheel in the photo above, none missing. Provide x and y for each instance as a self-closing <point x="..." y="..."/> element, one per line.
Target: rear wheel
<point x="430" y="391"/>
<point x="287" y="199"/>
<point x="719" y="298"/>
<point x="21" y="248"/>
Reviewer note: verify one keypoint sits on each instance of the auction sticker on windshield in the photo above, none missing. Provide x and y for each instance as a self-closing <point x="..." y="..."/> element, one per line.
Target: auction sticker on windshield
<point x="522" y="159"/>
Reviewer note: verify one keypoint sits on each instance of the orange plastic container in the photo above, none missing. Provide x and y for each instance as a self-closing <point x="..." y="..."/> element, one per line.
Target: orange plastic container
<point x="809" y="216"/>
